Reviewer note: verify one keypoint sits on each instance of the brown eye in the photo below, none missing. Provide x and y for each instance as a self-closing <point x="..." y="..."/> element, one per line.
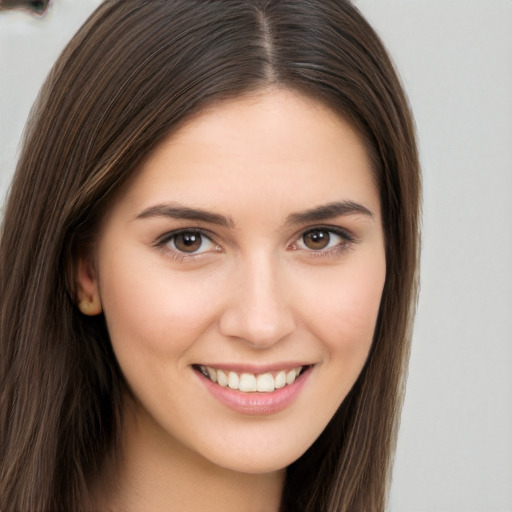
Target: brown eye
<point x="188" y="241"/>
<point x="316" y="239"/>
<point x="183" y="243"/>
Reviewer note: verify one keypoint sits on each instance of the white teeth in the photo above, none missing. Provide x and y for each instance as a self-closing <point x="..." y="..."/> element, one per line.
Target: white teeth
<point x="222" y="378"/>
<point x="290" y="377"/>
<point x="212" y="373"/>
<point x="249" y="382"/>
<point x="265" y="383"/>
<point x="280" y="380"/>
<point x="233" y="380"/>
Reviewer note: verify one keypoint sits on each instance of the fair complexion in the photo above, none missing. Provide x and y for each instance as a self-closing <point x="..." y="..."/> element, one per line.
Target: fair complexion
<point x="249" y="243"/>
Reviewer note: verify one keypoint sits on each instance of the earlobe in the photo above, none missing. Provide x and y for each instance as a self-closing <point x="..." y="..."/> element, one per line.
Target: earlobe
<point x="90" y="306"/>
<point x="88" y="296"/>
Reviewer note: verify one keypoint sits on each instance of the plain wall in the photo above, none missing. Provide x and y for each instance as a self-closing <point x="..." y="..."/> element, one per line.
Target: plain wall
<point x="455" y="59"/>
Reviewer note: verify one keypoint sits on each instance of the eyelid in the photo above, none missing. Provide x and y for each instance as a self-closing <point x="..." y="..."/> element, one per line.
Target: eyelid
<point x="348" y="239"/>
<point x="164" y="240"/>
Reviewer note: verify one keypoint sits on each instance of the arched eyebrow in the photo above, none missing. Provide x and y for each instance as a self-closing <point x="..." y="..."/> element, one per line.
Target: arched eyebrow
<point x="328" y="211"/>
<point x="317" y="214"/>
<point x="179" y="211"/>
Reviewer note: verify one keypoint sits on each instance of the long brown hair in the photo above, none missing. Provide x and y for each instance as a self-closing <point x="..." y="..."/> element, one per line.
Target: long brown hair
<point x="130" y="76"/>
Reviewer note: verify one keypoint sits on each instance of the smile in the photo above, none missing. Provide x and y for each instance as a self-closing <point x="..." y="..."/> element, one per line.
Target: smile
<point x="251" y="382"/>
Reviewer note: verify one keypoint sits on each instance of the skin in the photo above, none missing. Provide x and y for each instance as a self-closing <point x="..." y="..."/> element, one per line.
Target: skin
<point x="255" y="293"/>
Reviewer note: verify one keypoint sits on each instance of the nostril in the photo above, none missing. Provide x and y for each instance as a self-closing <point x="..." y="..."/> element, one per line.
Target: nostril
<point x="35" y="6"/>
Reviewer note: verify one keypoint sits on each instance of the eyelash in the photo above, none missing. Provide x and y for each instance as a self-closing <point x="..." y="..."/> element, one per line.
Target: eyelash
<point x="347" y="240"/>
<point x="165" y="241"/>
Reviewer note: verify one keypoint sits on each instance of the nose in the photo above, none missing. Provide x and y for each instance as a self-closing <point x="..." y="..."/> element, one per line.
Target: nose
<point x="260" y="311"/>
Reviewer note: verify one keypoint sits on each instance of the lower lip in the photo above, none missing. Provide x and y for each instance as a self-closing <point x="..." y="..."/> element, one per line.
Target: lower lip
<point x="257" y="403"/>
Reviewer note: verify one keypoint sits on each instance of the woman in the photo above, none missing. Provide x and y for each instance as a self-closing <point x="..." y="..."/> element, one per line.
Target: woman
<point x="208" y="264"/>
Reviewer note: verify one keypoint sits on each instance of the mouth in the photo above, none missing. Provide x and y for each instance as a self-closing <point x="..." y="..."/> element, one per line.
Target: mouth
<point x="246" y="382"/>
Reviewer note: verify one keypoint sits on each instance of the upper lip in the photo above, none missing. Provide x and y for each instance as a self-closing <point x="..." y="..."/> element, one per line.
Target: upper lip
<point x="256" y="369"/>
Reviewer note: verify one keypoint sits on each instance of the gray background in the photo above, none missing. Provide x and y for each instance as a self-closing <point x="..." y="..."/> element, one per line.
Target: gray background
<point x="455" y="59"/>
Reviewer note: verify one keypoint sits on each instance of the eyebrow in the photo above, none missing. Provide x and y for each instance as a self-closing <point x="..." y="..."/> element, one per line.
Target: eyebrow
<point x="329" y="211"/>
<point x="319" y="213"/>
<point x="178" y="211"/>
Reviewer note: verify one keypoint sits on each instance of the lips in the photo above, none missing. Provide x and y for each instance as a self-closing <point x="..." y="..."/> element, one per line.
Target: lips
<point x="246" y="382"/>
<point x="254" y="393"/>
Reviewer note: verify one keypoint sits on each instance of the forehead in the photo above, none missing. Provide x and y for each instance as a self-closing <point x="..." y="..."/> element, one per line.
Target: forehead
<point x="271" y="146"/>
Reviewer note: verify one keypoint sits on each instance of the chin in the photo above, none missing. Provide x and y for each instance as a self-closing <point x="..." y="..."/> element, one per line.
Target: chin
<point x="253" y="457"/>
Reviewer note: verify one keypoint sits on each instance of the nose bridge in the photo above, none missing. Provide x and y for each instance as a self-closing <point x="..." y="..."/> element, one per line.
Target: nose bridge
<point x="260" y="311"/>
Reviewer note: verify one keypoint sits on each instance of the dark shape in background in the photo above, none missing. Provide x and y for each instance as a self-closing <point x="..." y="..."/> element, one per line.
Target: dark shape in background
<point x="34" y="6"/>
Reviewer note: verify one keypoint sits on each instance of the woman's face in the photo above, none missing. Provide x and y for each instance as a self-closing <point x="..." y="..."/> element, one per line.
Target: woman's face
<point x="240" y="274"/>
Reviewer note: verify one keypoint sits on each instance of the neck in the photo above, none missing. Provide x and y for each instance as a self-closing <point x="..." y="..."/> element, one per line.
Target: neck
<point x="154" y="472"/>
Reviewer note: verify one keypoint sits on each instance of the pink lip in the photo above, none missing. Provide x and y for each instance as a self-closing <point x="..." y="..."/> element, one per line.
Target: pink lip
<point x="256" y="369"/>
<point x="256" y="403"/>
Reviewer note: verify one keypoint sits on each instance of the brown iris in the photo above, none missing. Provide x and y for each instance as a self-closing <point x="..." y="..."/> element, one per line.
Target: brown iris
<point x="188" y="241"/>
<point x="316" y="239"/>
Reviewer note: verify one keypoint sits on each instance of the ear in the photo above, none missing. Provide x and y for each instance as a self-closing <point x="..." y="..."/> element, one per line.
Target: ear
<point x="88" y="294"/>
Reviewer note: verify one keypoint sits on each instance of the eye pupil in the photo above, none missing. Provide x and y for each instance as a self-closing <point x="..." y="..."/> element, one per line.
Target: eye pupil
<point x="188" y="242"/>
<point x="316" y="239"/>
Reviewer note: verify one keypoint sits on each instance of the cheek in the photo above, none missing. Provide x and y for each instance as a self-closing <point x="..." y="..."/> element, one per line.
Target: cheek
<point x="154" y="311"/>
<point x="359" y="303"/>
<point x="345" y="318"/>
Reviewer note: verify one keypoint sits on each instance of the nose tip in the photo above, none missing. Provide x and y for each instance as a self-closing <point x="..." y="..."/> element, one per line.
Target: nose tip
<point x="257" y="329"/>
<point x="260" y="311"/>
